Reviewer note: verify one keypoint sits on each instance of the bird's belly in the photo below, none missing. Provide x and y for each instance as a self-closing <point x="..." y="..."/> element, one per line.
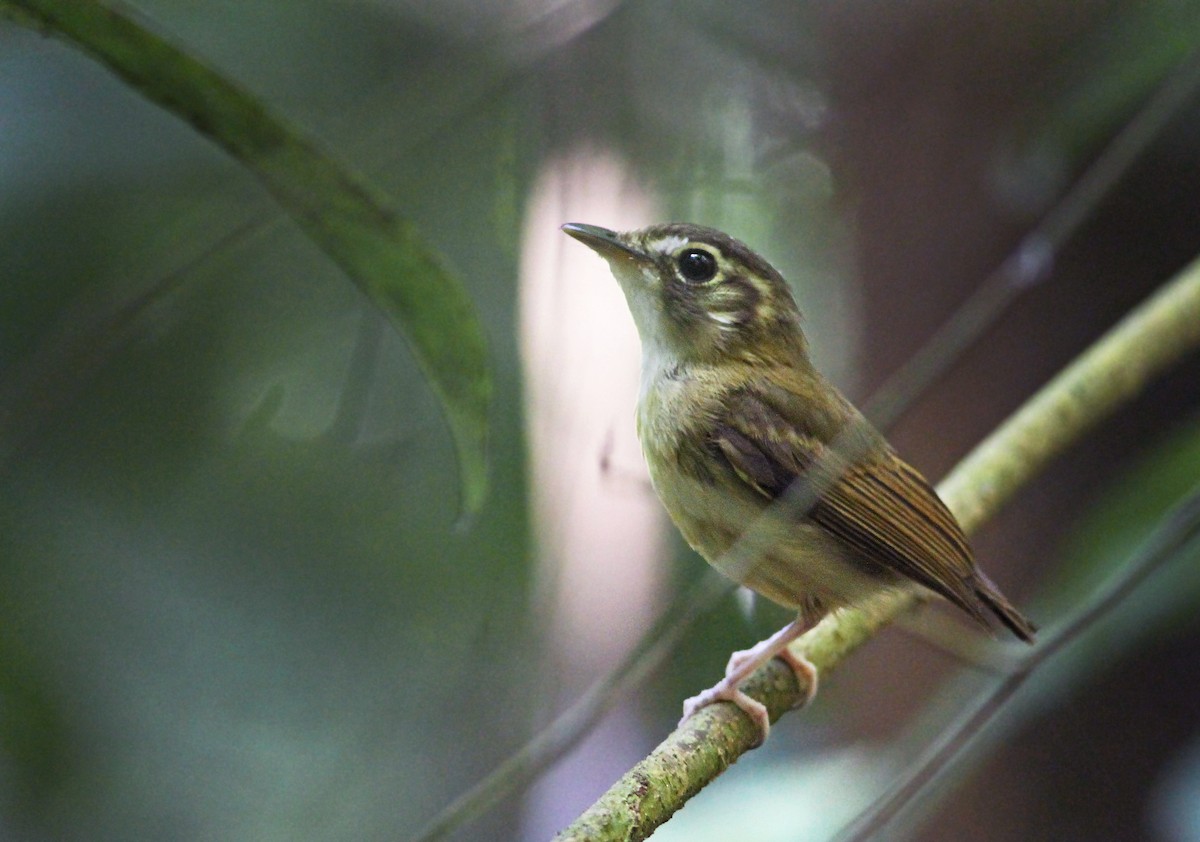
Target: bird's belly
<point x="789" y="560"/>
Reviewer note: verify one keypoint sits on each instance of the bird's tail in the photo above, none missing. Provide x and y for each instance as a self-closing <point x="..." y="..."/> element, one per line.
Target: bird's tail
<point x="1010" y="617"/>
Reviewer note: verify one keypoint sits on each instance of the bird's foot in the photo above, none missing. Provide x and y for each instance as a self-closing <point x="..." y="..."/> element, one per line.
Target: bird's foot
<point x="741" y="666"/>
<point x="725" y="691"/>
<point x="745" y="662"/>
<point x="806" y="674"/>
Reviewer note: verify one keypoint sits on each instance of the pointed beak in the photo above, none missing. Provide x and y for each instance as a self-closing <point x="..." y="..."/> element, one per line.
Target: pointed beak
<point x="607" y="244"/>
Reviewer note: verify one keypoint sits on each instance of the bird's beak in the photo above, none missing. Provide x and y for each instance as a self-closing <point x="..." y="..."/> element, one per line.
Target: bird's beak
<point x="607" y="244"/>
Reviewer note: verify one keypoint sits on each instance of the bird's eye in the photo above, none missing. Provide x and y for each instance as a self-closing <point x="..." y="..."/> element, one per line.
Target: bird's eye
<point x="696" y="265"/>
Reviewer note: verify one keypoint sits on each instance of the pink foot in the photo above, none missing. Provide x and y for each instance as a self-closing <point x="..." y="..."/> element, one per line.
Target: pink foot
<point x="743" y="664"/>
<point x="723" y="691"/>
<point x="806" y="674"/>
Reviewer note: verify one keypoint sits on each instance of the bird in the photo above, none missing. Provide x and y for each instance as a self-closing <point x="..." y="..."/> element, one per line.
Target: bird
<point x="731" y="414"/>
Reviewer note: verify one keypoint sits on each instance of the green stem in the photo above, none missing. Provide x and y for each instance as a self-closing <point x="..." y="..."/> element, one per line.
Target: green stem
<point x="1109" y="374"/>
<point x="342" y="213"/>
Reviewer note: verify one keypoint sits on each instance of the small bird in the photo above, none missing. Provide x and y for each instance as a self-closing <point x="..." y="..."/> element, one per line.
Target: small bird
<point x="731" y="413"/>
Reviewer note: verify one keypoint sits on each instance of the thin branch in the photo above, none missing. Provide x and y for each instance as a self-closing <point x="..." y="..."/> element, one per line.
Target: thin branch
<point x="1174" y="533"/>
<point x="567" y="728"/>
<point x="1106" y="376"/>
<point x="1033" y="259"/>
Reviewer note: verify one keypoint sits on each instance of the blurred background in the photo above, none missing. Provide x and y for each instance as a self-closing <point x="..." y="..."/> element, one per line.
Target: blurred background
<point x="235" y="598"/>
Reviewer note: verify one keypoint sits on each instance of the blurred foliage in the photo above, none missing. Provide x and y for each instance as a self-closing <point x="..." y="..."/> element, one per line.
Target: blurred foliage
<point x="1102" y="546"/>
<point x="220" y="504"/>
<point x="1103" y="83"/>
<point x="351" y="222"/>
<point x="233" y="601"/>
<point x="1120" y="520"/>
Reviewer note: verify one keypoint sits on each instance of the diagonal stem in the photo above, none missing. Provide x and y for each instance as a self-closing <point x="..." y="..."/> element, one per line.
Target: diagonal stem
<point x="1106" y="376"/>
<point x="1173" y="536"/>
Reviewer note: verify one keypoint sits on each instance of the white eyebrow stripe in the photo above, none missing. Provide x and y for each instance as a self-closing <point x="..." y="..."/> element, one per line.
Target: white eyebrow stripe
<point x="668" y="245"/>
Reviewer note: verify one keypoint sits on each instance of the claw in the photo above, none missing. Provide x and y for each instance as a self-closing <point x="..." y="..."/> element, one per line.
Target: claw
<point x="806" y="674"/>
<point x="743" y="664"/>
<point x="722" y="691"/>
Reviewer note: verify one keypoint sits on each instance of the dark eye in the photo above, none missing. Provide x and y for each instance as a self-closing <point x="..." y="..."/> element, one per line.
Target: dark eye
<point x="696" y="265"/>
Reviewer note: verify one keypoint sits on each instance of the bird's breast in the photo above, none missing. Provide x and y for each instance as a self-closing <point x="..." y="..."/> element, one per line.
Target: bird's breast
<point x="672" y="420"/>
<point x="790" y="560"/>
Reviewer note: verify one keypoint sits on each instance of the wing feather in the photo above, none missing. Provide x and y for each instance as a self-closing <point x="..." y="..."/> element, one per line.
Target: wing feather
<point x="880" y="506"/>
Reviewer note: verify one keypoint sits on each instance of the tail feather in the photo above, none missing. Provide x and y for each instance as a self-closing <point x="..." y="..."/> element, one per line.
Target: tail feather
<point x="1010" y="617"/>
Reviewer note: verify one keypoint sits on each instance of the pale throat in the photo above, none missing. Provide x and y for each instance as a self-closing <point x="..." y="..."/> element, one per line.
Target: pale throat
<point x="640" y="284"/>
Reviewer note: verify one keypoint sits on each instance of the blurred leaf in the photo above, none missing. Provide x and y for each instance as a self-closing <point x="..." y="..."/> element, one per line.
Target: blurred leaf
<point x="1152" y="583"/>
<point x="345" y="216"/>
<point x="33" y="730"/>
<point x="1124" y="64"/>
<point x="1150" y="47"/>
<point x="1122" y="519"/>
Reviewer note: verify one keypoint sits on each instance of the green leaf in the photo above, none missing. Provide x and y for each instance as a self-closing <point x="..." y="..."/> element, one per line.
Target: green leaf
<point x="351" y="221"/>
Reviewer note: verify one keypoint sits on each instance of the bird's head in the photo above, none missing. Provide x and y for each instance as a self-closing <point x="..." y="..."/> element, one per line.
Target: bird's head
<point x="698" y="295"/>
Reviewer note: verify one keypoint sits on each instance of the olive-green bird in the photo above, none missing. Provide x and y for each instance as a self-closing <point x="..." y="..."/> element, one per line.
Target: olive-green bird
<point x="732" y="412"/>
